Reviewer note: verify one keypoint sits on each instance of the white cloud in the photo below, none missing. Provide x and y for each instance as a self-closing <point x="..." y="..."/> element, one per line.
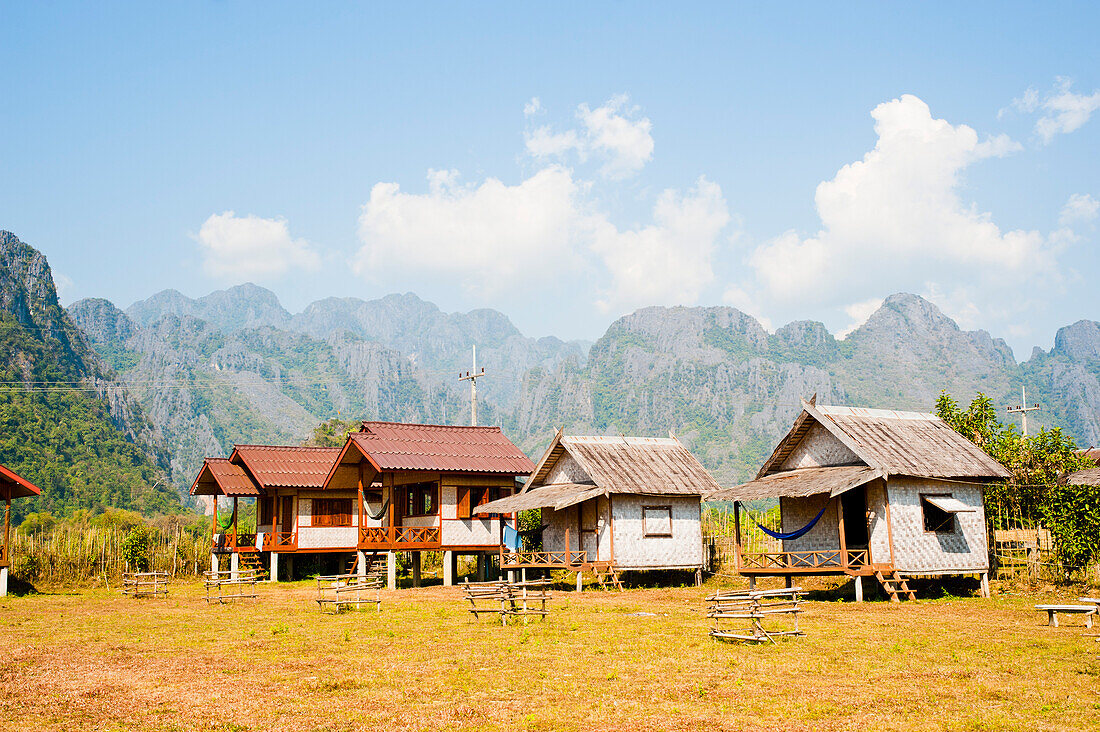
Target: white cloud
<point x="63" y="285"/>
<point x="1065" y="111"/>
<point x="669" y="261"/>
<point x="746" y="303"/>
<point x="489" y="235"/>
<point x="250" y="247"/>
<point x="532" y="107"/>
<point x="896" y="214"/>
<point x="613" y="132"/>
<point x="1080" y="208"/>
<point x="859" y="312"/>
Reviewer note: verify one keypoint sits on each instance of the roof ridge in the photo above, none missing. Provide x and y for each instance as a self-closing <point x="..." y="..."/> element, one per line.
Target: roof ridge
<point x="486" y="427"/>
<point x="285" y="447"/>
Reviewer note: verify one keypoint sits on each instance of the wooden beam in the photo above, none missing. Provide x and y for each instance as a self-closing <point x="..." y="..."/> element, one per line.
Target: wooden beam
<point x="737" y="532"/>
<point x="889" y="524"/>
<point x="7" y="529"/>
<point x="840" y="528"/>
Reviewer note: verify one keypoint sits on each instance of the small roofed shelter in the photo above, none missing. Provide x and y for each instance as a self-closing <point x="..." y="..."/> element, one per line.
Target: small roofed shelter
<point x="11" y="486"/>
<point x="613" y="503"/>
<point x="423" y="487"/>
<point x="870" y="492"/>
<point x="1088" y="476"/>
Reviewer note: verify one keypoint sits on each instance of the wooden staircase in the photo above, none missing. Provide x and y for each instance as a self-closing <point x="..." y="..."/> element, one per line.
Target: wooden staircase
<point x="608" y="575"/>
<point x="252" y="561"/>
<point x="894" y="584"/>
<point x="375" y="569"/>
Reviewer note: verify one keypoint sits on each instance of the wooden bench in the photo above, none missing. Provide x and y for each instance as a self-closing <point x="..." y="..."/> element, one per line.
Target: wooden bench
<point x="508" y="599"/>
<point x="336" y="592"/>
<point x="1052" y="612"/>
<point x="756" y="607"/>
<point x="145" y="584"/>
<point x="229" y="585"/>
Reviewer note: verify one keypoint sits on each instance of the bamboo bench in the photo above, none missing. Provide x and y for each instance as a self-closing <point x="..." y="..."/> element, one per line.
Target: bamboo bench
<point x="336" y="592"/>
<point x="228" y="585"/>
<point x="756" y="607"/>
<point x="145" y="584"/>
<point x="508" y="599"/>
<point x="1052" y="612"/>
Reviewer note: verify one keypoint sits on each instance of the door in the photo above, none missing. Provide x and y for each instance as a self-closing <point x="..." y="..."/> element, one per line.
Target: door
<point x="854" y="505"/>
<point x="286" y="522"/>
<point x="589" y="528"/>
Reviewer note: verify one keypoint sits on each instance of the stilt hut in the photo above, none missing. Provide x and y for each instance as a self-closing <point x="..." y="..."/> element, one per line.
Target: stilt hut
<point x="611" y="504"/>
<point x="870" y="493"/>
<point x="11" y="486"/>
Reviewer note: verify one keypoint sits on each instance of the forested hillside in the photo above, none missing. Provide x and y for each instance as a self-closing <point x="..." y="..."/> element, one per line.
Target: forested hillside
<point x="65" y="424"/>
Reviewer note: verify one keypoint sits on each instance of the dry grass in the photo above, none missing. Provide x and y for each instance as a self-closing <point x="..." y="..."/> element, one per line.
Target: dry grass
<point x="95" y="660"/>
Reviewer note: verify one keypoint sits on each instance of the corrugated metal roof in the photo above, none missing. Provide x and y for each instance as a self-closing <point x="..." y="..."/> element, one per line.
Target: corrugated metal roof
<point x="220" y="477"/>
<point x="397" y="446"/>
<point x="649" y="465"/>
<point x="279" y="466"/>
<point x="897" y="443"/>
<point x="13" y="485"/>
<point x="799" y="483"/>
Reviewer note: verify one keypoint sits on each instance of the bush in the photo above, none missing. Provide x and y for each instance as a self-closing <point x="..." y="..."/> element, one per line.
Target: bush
<point x="38" y="523"/>
<point x="136" y="549"/>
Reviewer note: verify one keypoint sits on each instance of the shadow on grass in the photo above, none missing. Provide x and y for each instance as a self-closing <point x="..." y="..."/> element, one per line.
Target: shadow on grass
<point x="933" y="588"/>
<point x="22" y="588"/>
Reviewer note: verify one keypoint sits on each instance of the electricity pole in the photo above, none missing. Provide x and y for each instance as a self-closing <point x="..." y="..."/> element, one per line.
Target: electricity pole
<point x="472" y="377"/>
<point x="1022" y="408"/>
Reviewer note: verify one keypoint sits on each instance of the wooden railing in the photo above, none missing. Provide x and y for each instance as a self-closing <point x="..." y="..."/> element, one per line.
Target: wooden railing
<point x="543" y="559"/>
<point x="818" y="560"/>
<point x="281" y="540"/>
<point x="399" y="537"/>
<point x="3" y="554"/>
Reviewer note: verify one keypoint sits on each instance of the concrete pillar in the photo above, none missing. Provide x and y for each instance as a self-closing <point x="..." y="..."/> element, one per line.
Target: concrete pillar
<point x="213" y="562"/>
<point x="699" y="577"/>
<point x="985" y="584"/>
<point x="580" y="582"/>
<point x="361" y="563"/>
<point x="752" y="582"/>
<point x="274" y="570"/>
<point x="3" y="581"/>
<point x="523" y="574"/>
<point x="416" y="569"/>
<point x="391" y="570"/>
<point x="448" y="569"/>
<point x="234" y="565"/>
<point x="859" y="588"/>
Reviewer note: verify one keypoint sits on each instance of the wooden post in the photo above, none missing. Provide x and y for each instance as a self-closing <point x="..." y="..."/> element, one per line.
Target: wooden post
<point x="985" y="584"/>
<point x="234" y="524"/>
<point x="416" y="568"/>
<point x="7" y="530"/>
<point x="840" y="530"/>
<point x="889" y="524"/>
<point x="737" y="533"/>
<point x="390" y="511"/>
<point x="362" y="521"/>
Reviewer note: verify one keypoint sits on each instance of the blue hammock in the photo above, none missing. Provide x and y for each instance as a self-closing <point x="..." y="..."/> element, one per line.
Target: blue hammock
<point x="799" y="532"/>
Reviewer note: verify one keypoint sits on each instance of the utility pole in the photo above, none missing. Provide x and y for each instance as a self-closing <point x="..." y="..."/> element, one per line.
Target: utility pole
<point x="1022" y="408"/>
<point x="472" y="377"/>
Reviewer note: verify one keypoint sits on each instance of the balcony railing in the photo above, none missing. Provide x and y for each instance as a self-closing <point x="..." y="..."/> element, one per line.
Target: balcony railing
<point x="826" y="560"/>
<point x="543" y="559"/>
<point x="399" y="537"/>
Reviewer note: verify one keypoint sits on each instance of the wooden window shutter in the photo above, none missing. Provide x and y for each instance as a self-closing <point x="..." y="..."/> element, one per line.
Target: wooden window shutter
<point x="464" y="503"/>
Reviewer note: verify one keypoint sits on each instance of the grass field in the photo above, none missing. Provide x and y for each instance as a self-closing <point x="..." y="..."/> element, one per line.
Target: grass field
<point x="95" y="660"/>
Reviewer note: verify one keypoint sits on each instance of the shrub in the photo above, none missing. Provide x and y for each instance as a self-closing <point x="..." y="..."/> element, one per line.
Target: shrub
<point x="136" y="549"/>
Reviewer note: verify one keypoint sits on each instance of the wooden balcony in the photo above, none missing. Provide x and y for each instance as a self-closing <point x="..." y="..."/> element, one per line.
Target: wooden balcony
<point x="281" y="541"/>
<point x="828" y="561"/>
<point x="3" y="554"/>
<point x="571" y="560"/>
<point x="235" y="543"/>
<point x="398" y="538"/>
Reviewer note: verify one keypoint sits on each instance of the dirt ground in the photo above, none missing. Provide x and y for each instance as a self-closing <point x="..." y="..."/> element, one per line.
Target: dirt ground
<point x="639" y="659"/>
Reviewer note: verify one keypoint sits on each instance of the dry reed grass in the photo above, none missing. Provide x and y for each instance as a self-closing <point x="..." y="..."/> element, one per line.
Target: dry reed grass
<point x="95" y="660"/>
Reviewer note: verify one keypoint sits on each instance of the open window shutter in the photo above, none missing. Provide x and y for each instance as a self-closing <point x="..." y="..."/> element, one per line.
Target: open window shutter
<point x="464" y="503"/>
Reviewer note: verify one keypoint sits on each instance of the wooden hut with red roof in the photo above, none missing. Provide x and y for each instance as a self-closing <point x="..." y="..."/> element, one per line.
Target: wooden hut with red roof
<point x="11" y="486"/>
<point x="391" y="488"/>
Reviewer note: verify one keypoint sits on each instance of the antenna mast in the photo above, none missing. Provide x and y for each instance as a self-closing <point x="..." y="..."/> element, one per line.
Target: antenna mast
<point x="1022" y="408"/>
<point x="472" y="377"/>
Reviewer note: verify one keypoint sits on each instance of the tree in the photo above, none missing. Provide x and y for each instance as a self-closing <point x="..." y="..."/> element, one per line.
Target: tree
<point x="1036" y="489"/>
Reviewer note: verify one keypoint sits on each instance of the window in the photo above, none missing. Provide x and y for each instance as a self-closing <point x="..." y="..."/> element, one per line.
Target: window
<point x="421" y="499"/>
<point x="657" y="521"/>
<point x="265" y="508"/>
<point x="937" y="520"/>
<point x="470" y="498"/>
<point x="332" y="512"/>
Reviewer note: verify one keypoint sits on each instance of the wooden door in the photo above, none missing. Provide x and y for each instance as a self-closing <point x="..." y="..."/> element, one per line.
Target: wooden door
<point x="589" y="516"/>
<point x="286" y="522"/>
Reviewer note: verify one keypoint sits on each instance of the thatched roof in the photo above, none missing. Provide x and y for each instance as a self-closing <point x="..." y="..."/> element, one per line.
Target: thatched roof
<point x="897" y="443"/>
<point x="800" y="483"/>
<point x="1089" y="476"/>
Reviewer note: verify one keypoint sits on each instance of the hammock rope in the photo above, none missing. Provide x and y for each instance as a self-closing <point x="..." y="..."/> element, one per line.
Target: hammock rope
<point x="793" y="534"/>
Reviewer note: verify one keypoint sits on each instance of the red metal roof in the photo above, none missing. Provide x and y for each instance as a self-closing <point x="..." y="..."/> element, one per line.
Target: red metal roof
<point x="278" y="466"/>
<point x="220" y="477"/>
<point x="15" y="486"/>
<point x="396" y="446"/>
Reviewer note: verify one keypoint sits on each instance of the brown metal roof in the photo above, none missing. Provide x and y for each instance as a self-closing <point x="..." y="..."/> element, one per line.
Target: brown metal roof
<point x="799" y="483"/>
<point x="396" y="446"/>
<point x="1089" y="476"/>
<point x="220" y="477"/>
<point x="13" y="485"/>
<point x="897" y="443"/>
<point x="648" y="465"/>
<point x="279" y="466"/>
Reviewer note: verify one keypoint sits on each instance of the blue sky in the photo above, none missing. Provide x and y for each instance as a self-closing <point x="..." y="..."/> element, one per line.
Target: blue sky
<point x="567" y="163"/>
